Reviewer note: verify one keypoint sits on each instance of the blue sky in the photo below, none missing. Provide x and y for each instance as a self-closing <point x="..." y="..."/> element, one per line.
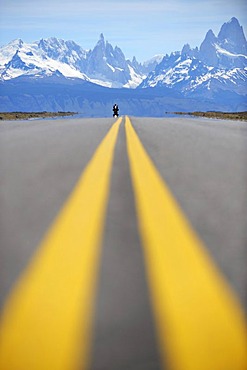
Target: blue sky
<point x="140" y="27"/>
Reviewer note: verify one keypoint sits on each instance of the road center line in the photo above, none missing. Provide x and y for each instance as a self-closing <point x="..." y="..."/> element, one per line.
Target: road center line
<point x="46" y="322"/>
<point x="199" y="322"/>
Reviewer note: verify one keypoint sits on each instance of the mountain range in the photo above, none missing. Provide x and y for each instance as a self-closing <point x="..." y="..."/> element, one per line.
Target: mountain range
<point x="104" y="65"/>
<point x="53" y="74"/>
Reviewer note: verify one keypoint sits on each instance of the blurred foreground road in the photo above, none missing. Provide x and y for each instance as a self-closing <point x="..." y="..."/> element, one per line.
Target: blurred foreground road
<point x="123" y="244"/>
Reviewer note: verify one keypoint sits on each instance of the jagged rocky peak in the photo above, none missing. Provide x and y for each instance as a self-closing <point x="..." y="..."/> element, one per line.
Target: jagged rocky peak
<point x="101" y="41"/>
<point x="104" y="45"/>
<point x="207" y="49"/>
<point x="103" y="49"/>
<point x="135" y="63"/>
<point x="99" y="49"/>
<point x="210" y="37"/>
<point x="231" y="37"/>
<point x="187" y="51"/>
<point x="230" y="29"/>
<point x="54" y="43"/>
<point x="51" y="44"/>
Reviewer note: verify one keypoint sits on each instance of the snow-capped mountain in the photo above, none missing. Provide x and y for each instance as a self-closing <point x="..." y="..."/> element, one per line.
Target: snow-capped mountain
<point x="53" y="74"/>
<point x="227" y="50"/>
<point x="43" y="58"/>
<point x="219" y="64"/>
<point x="108" y="66"/>
<point x="104" y="65"/>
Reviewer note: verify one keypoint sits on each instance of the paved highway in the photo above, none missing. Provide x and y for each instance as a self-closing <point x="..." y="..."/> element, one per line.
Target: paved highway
<point x="123" y="244"/>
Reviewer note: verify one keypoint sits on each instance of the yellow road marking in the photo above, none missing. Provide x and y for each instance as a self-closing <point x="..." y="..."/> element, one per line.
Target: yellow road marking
<point x="46" y="322"/>
<point x="199" y="322"/>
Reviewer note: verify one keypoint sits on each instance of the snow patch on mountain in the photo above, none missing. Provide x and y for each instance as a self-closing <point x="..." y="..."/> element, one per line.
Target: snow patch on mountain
<point x="135" y="78"/>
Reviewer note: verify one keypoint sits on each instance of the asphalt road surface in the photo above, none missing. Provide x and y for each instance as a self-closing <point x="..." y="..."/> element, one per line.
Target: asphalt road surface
<point x="123" y="244"/>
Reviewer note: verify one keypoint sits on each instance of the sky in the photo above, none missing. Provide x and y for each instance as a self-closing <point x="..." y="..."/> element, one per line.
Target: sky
<point x="141" y="28"/>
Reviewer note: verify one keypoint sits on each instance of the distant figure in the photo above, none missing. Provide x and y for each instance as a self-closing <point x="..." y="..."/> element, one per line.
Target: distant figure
<point x="115" y="110"/>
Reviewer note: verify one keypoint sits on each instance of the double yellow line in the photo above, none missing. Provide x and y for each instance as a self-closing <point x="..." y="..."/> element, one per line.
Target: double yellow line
<point x="47" y="320"/>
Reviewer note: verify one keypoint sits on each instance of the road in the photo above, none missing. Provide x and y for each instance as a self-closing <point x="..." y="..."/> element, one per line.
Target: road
<point x="123" y="244"/>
